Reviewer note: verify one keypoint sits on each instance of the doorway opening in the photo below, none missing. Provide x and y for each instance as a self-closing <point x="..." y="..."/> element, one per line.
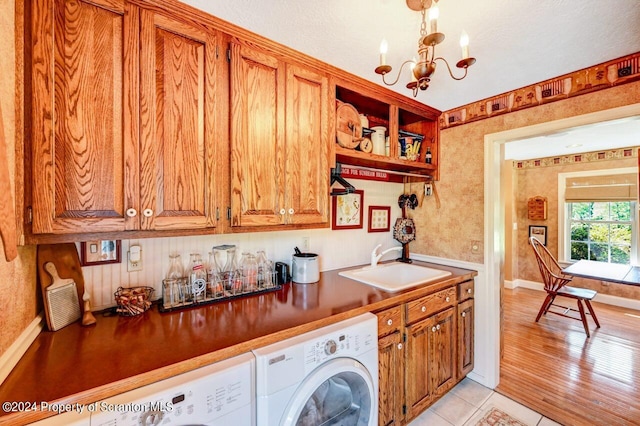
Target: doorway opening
<point x="494" y="206"/>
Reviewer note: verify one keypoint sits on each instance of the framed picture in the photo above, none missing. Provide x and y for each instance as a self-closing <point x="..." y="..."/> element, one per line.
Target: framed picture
<point x="540" y="232"/>
<point x="99" y="252"/>
<point x="379" y="218"/>
<point x="346" y="210"/>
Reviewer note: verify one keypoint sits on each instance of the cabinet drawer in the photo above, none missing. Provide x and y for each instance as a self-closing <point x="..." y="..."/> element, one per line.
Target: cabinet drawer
<point x="465" y="290"/>
<point x="425" y="306"/>
<point x="389" y="320"/>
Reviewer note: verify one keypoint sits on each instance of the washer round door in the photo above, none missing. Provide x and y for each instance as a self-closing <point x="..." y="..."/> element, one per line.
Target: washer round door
<point x="340" y="392"/>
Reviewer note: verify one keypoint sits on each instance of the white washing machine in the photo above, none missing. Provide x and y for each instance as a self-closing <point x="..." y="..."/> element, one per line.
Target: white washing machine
<point x="219" y="394"/>
<point x="325" y="377"/>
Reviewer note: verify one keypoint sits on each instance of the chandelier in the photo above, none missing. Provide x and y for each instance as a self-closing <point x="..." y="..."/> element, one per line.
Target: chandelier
<point x="425" y="65"/>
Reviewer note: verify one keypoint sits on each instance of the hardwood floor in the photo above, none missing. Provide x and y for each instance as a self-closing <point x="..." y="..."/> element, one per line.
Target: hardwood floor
<point x="553" y="368"/>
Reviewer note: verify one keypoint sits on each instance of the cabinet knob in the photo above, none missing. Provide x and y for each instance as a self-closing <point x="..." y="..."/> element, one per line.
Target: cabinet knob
<point x="448" y="299"/>
<point x="283" y="211"/>
<point x="147" y="212"/>
<point x="132" y="212"/>
<point x="399" y="346"/>
<point x="291" y="211"/>
<point x="438" y="327"/>
<point x="464" y="314"/>
<point x="423" y="309"/>
<point x="389" y="322"/>
<point x="433" y="329"/>
<point x="469" y="290"/>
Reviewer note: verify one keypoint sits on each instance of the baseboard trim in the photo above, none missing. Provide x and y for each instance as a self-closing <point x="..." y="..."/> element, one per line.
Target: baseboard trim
<point x="601" y="298"/>
<point x="12" y="355"/>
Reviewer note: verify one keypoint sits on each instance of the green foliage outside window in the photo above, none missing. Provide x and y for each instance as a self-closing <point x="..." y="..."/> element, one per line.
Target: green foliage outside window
<point x="601" y="231"/>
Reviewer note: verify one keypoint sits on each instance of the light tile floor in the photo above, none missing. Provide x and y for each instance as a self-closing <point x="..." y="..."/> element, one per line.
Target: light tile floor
<point x="468" y="402"/>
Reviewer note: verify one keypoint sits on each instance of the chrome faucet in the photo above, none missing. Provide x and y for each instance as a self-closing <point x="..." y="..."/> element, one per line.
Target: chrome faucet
<point x="375" y="257"/>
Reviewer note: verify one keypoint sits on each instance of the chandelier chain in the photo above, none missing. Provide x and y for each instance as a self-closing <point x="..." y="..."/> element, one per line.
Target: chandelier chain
<point x="423" y="25"/>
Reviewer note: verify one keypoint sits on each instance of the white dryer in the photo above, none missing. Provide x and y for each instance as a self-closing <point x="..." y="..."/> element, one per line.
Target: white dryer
<point x="219" y="394"/>
<point x="325" y="377"/>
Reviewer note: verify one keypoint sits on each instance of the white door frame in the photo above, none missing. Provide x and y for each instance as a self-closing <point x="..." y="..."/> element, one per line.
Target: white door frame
<point x="494" y="205"/>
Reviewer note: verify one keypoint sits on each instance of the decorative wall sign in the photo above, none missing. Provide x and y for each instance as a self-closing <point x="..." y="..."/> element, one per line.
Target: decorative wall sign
<point x="99" y="252"/>
<point x="379" y="218"/>
<point x="346" y="210"/>
<point x="537" y="208"/>
<point x="608" y="74"/>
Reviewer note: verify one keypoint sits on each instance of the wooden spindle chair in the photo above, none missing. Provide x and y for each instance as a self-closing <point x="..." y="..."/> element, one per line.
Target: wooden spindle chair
<point x="555" y="284"/>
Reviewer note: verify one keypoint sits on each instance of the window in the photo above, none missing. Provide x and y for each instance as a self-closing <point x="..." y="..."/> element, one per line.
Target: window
<point x="601" y="231"/>
<point x="599" y="220"/>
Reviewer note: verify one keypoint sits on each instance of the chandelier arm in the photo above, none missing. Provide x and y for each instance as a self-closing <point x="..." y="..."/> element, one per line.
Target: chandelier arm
<point x="449" y="69"/>
<point x="399" y="73"/>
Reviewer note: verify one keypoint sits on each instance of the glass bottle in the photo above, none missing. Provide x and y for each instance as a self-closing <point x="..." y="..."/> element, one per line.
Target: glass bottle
<point x="249" y="267"/>
<point x="427" y="157"/>
<point x="265" y="270"/>
<point x="176" y="270"/>
<point x="172" y="286"/>
<point x="197" y="276"/>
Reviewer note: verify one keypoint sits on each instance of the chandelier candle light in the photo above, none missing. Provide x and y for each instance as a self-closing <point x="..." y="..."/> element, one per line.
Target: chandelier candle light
<point x="425" y="66"/>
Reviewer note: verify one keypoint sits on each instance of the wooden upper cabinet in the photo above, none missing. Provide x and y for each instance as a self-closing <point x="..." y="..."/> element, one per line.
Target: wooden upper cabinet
<point x="84" y="138"/>
<point x="124" y="121"/>
<point x="177" y="125"/>
<point x="257" y="137"/>
<point x="279" y="141"/>
<point x="307" y="146"/>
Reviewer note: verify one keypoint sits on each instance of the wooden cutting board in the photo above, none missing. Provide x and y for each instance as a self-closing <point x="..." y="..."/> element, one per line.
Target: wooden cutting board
<point x="67" y="262"/>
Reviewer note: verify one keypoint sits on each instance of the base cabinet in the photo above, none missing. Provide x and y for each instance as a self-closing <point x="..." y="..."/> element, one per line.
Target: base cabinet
<point x="391" y="379"/>
<point x="425" y="348"/>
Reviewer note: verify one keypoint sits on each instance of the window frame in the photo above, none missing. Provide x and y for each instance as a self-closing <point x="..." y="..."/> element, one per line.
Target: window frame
<point x="564" y="230"/>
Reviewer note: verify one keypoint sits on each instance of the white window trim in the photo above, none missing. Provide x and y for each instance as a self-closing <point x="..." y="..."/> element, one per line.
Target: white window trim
<point x="563" y="250"/>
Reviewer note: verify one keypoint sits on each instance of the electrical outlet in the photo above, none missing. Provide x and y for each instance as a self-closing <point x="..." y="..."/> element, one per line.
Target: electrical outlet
<point x="475" y="246"/>
<point x="305" y="244"/>
<point x="134" y="259"/>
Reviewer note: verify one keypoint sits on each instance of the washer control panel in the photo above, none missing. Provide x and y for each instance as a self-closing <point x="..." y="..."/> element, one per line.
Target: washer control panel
<point x="345" y="344"/>
<point x="215" y="395"/>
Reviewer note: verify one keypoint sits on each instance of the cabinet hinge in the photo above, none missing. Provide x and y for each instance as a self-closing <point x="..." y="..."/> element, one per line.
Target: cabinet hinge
<point x="404" y="337"/>
<point x="228" y="55"/>
<point x="404" y="409"/>
<point x="29" y="214"/>
<point x="228" y="213"/>
<point x="217" y="213"/>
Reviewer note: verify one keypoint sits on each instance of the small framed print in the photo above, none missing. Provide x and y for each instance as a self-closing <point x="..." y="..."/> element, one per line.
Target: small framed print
<point x="379" y="218"/>
<point x="99" y="252"/>
<point x="346" y="210"/>
<point x="540" y="232"/>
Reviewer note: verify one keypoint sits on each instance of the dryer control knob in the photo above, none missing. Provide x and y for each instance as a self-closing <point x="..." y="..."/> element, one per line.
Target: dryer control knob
<point x="330" y="347"/>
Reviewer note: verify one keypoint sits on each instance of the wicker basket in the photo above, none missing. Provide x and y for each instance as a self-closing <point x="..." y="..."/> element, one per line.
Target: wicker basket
<point x="133" y="301"/>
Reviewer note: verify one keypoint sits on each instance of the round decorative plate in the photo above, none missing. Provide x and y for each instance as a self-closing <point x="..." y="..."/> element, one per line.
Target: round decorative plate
<point x="348" y="126"/>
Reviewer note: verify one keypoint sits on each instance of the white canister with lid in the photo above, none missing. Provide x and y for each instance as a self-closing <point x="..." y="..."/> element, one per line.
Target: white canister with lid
<point x="305" y="268"/>
<point x="378" y="139"/>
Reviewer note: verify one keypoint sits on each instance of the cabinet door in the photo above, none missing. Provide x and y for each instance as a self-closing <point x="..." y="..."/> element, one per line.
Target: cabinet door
<point x="257" y="138"/>
<point x="391" y="379"/>
<point x="418" y="386"/>
<point x="177" y="125"/>
<point x="465" y="338"/>
<point x="443" y="365"/>
<point x="84" y="114"/>
<point x="307" y="146"/>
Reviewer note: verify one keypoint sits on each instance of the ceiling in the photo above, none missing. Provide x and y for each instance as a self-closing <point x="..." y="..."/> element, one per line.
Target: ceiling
<point x="516" y="42"/>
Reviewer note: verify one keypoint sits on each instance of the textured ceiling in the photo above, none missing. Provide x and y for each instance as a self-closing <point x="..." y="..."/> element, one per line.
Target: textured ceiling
<point x="516" y="42"/>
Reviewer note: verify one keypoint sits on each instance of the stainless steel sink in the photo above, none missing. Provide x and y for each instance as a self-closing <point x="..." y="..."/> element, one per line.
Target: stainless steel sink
<point x="393" y="277"/>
